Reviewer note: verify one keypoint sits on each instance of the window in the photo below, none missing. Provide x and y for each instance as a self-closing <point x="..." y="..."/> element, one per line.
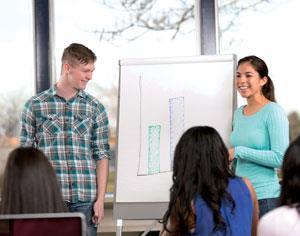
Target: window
<point x="17" y="70"/>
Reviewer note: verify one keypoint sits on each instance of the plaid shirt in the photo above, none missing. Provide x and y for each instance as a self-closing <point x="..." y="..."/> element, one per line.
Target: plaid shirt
<point x="73" y="135"/>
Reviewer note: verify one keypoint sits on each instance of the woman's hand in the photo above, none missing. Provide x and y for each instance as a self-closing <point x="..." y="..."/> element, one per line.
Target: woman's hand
<point x="231" y="154"/>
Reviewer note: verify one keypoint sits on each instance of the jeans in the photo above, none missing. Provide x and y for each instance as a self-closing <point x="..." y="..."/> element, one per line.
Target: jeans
<point x="87" y="209"/>
<point x="266" y="205"/>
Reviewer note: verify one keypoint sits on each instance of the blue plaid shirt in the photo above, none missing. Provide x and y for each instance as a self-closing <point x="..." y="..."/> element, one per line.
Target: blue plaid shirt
<point x="73" y="135"/>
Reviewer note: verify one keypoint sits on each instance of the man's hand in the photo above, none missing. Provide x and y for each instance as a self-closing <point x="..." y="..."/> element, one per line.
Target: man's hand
<point x="98" y="212"/>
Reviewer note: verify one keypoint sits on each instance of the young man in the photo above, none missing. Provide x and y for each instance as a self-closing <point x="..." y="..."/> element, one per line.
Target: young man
<point x="71" y="128"/>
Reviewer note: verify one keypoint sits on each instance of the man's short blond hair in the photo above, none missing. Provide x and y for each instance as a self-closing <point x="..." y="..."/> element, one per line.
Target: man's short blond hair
<point x="77" y="53"/>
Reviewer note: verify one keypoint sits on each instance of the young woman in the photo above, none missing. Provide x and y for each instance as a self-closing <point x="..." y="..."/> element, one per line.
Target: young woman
<point x="30" y="184"/>
<point x="260" y="132"/>
<point x="206" y="198"/>
<point x="285" y="220"/>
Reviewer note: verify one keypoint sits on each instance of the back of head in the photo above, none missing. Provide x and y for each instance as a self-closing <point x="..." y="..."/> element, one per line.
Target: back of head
<point x="30" y="184"/>
<point x="290" y="189"/>
<point x="77" y="53"/>
<point x="200" y="157"/>
<point x="260" y="66"/>
<point x="201" y="167"/>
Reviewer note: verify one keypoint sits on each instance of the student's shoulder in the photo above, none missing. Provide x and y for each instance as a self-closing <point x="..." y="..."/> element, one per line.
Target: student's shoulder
<point x="282" y="210"/>
<point x="274" y="217"/>
<point x="40" y="97"/>
<point x="247" y="182"/>
<point x="274" y="107"/>
<point x="275" y="111"/>
<point x="250" y="188"/>
<point x="237" y="180"/>
<point x="239" y="110"/>
<point x="93" y="101"/>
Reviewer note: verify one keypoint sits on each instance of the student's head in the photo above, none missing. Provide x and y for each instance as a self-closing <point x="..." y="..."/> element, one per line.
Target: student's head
<point x="253" y="77"/>
<point x="78" y="64"/>
<point x="201" y="167"/>
<point x="30" y="184"/>
<point x="290" y="185"/>
<point x="200" y="156"/>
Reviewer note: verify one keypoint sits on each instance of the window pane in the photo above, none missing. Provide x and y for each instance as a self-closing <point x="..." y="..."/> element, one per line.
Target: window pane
<point x="17" y="74"/>
<point x="258" y="28"/>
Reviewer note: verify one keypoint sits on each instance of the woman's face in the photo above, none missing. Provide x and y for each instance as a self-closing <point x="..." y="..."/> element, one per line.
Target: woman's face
<point x="248" y="82"/>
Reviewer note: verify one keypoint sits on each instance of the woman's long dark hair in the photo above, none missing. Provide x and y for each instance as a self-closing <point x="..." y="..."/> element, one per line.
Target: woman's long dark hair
<point x="290" y="185"/>
<point x="201" y="167"/>
<point x="30" y="184"/>
<point x="260" y="66"/>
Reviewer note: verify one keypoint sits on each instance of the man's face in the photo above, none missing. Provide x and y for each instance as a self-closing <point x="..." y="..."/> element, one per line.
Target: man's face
<point x="79" y="75"/>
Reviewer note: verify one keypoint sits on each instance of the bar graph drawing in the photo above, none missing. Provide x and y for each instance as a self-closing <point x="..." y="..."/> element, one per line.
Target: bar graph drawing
<point x="158" y="139"/>
<point x="176" y="106"/>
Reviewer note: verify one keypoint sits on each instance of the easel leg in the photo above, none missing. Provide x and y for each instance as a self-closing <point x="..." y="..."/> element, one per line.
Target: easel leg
<point x="119" y="227"/>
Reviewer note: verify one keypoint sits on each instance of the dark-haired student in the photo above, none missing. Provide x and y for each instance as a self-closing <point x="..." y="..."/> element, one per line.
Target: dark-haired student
<point x="285" y="220"/>
<point x="206" y="198"/>
<point x="260" y="132"/>
<point x="30" y="184"/>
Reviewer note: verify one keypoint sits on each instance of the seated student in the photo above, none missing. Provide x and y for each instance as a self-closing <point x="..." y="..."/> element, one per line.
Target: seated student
<point x="206" y="198"/>
<point x="285" y="220"/>
<point x="30" y="184"/>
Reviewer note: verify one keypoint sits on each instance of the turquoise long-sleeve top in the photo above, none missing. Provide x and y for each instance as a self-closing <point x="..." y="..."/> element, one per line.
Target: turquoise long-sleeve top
<point x="259" y="143"/>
